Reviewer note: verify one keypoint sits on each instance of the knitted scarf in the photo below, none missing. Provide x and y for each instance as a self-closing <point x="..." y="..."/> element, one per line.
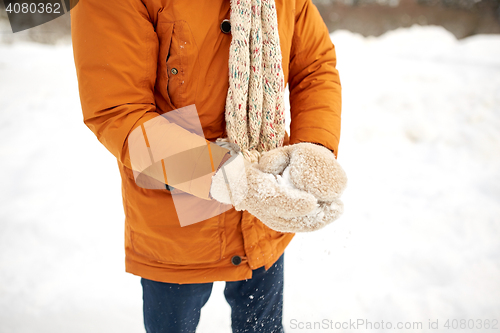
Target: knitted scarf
<point x="255" y="117"/>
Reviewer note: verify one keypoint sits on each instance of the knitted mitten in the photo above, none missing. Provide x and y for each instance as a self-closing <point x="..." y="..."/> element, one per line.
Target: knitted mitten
<point x="325" y="213"/>
<point x="310" y="168"/>
<point x="242" y="184"/>
<point x="313" y="168"/>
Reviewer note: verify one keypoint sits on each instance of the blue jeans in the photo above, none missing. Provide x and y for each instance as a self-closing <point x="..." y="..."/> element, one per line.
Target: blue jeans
<point x="256" y="304"/>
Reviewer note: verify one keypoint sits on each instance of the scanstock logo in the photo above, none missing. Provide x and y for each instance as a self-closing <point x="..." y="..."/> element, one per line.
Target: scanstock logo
<point x="26" y="14"/>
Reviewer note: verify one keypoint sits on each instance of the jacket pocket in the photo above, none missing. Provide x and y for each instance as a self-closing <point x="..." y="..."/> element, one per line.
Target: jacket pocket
<point x="154" y="231"/>
<point x="177" y="77"/>
<point x="169" y="243"/>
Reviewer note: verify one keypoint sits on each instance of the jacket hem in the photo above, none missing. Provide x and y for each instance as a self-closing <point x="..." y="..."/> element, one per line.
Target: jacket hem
<point x="187" y="275"/>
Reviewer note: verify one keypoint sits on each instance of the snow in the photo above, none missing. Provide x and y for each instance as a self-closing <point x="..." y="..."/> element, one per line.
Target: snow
<point x="419" y="239"/>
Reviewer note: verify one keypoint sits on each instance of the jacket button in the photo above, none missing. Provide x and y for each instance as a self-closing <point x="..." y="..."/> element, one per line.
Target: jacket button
<point x="225" y="26"/>
<point x="236" y="260"/>
<point x="174" y="71"/>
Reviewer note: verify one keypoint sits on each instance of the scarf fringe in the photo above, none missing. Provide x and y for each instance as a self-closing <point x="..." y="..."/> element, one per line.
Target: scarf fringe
<point x="252" y="156"/>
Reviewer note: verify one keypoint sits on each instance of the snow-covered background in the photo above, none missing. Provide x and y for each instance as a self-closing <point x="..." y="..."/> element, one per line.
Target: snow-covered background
<point x="419" y="240"/>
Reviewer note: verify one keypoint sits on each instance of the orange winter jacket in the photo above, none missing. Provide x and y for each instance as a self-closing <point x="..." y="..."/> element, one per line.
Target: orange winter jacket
<point x="138" y="59"/>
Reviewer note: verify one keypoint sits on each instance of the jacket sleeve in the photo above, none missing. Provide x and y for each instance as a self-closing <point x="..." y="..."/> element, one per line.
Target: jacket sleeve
<point x="314" y="84"/>
<point x="116" y="51"/>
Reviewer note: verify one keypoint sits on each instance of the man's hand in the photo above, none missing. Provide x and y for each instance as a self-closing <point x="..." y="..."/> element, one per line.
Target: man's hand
<point x="294" y="188"/>
<point x="312" y="168"/>
<point x="309" y="168"/>
<point x="243" y="185"/>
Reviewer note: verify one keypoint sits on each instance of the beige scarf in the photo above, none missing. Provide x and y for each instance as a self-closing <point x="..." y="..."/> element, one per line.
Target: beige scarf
<point x="255" y="113"/>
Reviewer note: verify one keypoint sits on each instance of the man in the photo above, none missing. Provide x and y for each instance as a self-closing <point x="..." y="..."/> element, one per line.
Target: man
<point x="138" y="59"/>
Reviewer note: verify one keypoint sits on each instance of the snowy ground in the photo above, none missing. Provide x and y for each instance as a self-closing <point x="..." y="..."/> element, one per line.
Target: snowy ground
<point x="419" y="241"/>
